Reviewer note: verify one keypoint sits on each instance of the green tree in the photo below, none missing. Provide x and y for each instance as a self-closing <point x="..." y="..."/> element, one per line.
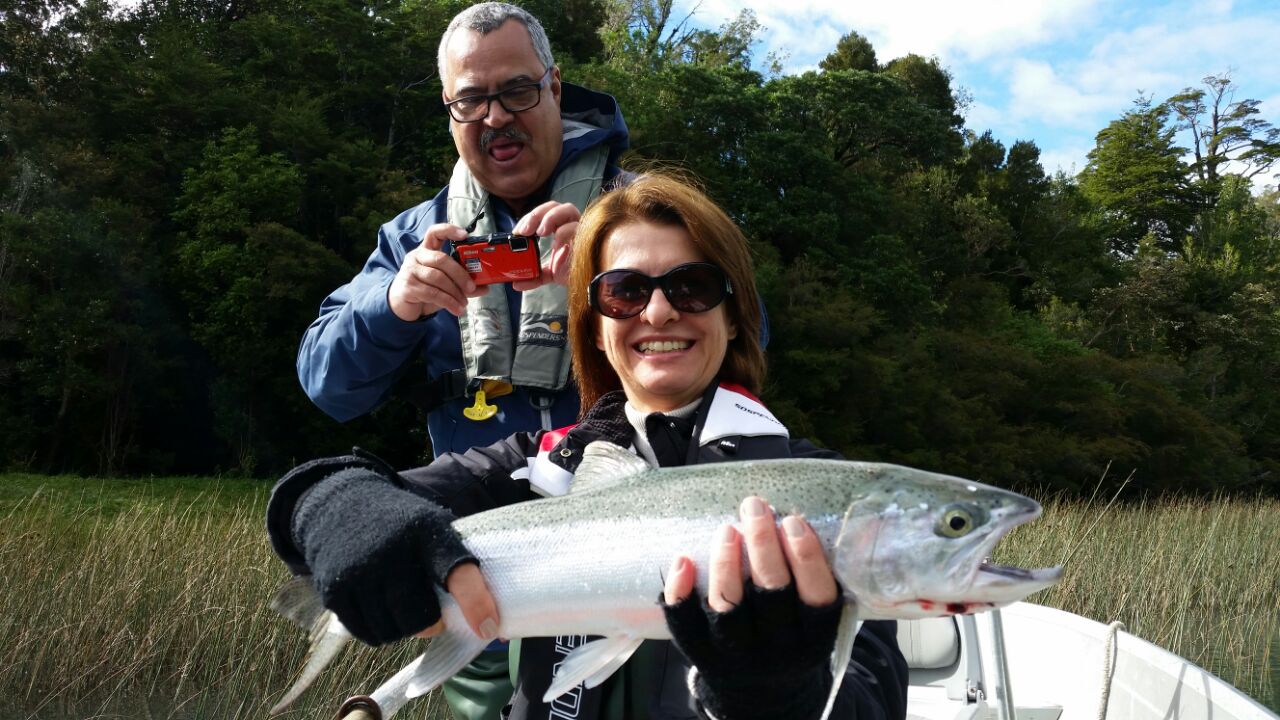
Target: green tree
<point x="1136" y="176"/>
<point x="871" y="119"/>
<point x="646" y="35"/>
<point x="245" y="272"/>
<point x="642" y="33"/>
<point x="572" y="27"/>
<point x="1225" y="130"/>
<point x="853" y="52"/>
<point x="929" y="82"/>
<point x="731" y="45"/>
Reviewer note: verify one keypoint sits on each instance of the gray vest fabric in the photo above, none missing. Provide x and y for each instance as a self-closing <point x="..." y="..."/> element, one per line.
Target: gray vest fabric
<point x="535" y="355"/>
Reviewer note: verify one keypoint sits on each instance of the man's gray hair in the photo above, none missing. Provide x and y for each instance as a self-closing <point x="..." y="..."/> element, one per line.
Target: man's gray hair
<point x="484" y="18"/>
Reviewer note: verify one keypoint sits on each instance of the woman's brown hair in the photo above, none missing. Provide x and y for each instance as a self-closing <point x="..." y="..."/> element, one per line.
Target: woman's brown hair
<point x="663" y="200"/>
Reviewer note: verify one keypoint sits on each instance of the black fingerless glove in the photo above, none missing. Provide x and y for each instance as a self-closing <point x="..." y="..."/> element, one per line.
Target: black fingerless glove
<point x="768" y="658"/>
<point x="376" y="552"/>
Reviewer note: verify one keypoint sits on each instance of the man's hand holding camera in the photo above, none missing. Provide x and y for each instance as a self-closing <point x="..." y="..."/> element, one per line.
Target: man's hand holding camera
<point x="559" y="220"/>
<point x="430" y="280"/>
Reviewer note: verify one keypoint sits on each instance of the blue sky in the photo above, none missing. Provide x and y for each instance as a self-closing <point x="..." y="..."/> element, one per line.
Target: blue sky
<point x="1053" y="72"/>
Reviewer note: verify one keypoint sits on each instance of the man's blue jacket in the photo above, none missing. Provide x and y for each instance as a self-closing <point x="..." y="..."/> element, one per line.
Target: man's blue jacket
<point x="357" y="349"/>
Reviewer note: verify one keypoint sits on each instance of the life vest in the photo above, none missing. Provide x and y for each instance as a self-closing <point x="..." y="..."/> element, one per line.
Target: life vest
<point x="536" y="355"/>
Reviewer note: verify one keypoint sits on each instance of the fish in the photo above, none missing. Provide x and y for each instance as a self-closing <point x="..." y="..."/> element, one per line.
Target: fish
<point x="903" y="543"/>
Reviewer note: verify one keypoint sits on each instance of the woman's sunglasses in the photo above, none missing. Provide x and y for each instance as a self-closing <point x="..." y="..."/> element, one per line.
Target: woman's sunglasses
<point x="693" y="288"/>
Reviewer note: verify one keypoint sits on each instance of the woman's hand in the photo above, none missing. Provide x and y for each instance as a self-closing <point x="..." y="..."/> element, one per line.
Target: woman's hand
<point x="468" y="588"/>
<point x="773" y="561"/>
<point x="559" y="220"/>
<point x="761" y="645"/>
<point x="377" y="554"/>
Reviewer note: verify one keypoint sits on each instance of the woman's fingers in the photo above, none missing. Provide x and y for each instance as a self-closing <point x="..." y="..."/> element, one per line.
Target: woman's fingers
<point x="680" y="579"/>
<point x="432" y="631"/>
<point x="774" y="558"/>
<point x="468" y="588"/>
<point x="724" y="577"/>
<point x="814" y="582"/>
<point x="764" y="553"/>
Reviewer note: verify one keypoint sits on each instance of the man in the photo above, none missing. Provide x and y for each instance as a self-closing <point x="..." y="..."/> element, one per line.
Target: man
<point x="524" y="139"/>
<point x="533" y="152"/>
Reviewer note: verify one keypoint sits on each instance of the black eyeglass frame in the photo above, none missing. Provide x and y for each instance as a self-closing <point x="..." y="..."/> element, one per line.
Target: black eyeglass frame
<point x="490" y="97"/>
<point x="661" y="281"/>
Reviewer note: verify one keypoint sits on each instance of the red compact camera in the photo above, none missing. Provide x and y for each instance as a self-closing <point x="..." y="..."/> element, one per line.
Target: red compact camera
<point x="499" y="257"/>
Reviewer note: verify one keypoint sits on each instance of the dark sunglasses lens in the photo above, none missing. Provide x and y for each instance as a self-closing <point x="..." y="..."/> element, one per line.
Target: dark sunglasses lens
<point x="695" y="288"/>
<point x="622" y="293"/>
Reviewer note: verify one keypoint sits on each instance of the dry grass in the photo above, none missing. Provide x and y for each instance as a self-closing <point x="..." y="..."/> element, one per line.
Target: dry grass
<point x="155" y="608"/>
<point x="149" y="599"/>
<point x="1198" y="577"/>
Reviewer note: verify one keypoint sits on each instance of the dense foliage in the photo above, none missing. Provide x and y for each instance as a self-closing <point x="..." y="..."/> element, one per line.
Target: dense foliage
<point x="181" y="183"/>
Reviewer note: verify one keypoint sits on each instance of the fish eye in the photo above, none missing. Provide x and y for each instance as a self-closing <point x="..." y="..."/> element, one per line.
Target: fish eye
<point x="956" y="521"/>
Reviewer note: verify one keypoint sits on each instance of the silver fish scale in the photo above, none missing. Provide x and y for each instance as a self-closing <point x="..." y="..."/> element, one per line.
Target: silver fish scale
<point x="808" y="487"/>
<point x="608" y="546"/>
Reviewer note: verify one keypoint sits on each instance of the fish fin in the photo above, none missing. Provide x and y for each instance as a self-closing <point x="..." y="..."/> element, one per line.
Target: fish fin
<point x="445" y="656"/>
<point x="591" y="664"/>
<point x="612" y="666"/>
<point x="604" y="464"/>
<point x="298" y="601"/>
<point x="845" y="635"/>
<point x="328" y="637"/>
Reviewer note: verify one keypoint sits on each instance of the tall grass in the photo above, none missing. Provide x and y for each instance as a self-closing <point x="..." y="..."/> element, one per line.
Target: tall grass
<point x="144" y="602"/>
<point x="149" y="599"/>
<point x="1198" y="577"/>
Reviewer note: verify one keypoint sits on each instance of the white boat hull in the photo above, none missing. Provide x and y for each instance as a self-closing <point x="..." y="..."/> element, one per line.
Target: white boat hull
<point x="1056" y="664"/>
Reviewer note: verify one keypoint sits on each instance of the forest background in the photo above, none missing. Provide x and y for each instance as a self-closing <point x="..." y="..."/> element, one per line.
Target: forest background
<point x="182" y="182"/>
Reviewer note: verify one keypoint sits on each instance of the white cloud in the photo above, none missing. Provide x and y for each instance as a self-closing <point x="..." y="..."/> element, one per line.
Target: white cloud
<point x="1157" y="60"/>
<point x="973" y="30"/>
<point x="1037" y="91"/>
<point x="1070" y="160"/>
<point x="979" y="116"/>
<point x="1269" y="108"/>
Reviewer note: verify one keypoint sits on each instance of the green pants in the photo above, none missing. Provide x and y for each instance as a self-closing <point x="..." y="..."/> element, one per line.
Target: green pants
<point x="482" y="689"/>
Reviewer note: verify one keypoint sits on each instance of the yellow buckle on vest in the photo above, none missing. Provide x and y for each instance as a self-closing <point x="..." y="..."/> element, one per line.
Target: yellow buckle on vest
<point x="482" y="410"/>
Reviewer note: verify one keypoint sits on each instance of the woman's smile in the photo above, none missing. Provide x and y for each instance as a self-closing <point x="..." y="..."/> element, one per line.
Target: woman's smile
<point x="665" y="358"/>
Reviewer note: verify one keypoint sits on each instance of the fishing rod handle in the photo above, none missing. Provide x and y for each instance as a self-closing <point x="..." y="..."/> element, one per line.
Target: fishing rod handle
<point x="359" y="707"/>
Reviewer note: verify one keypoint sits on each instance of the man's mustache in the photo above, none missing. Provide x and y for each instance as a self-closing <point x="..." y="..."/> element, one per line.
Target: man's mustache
<point x="491" y="134"/>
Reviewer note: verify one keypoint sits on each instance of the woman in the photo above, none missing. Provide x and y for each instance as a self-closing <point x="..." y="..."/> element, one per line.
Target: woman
<point x="664" y="323"/>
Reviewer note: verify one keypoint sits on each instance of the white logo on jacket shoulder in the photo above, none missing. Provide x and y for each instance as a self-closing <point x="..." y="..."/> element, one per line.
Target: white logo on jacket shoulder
<point x="733" y="413"/>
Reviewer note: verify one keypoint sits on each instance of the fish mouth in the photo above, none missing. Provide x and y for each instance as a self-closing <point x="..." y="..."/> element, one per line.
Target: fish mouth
<point x="995" y="585"/>
<point x="1014" y="580"/>
<point x="1002" y="584"/>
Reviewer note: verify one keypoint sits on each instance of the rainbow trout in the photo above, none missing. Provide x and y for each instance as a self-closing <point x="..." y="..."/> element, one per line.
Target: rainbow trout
<point x="903" y="543"/>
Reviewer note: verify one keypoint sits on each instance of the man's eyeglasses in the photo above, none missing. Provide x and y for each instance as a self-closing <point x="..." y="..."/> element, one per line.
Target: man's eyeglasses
<point x="474" y="108"/>
<point x="693" y="288"/>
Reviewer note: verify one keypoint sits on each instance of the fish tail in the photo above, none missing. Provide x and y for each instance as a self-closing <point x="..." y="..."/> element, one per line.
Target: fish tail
<point x="298" y="601"/>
